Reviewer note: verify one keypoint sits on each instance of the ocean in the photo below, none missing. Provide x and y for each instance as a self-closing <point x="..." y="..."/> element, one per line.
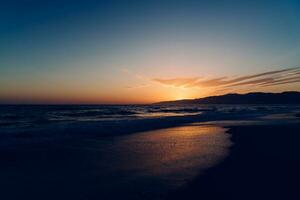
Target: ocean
<point x="30" y="116"/>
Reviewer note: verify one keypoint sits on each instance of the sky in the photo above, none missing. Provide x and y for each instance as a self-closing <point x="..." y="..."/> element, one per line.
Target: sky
<point x="120" y="52"/>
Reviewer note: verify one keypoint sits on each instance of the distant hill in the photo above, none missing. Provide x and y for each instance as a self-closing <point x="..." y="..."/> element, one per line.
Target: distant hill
<point x="250" y="98"/>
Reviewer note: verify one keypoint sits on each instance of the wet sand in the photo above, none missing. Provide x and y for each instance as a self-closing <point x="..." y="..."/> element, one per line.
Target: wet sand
<point x="145" y="165"/>
<point x="185" y="162"/>
<point x="264" y="163"/>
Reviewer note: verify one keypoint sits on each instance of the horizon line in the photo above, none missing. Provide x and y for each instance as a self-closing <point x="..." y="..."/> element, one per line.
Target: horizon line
<point x="128" y="104"/>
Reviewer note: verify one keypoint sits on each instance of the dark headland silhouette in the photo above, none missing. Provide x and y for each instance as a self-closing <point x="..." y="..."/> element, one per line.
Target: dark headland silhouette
<point x="289" y="97"/>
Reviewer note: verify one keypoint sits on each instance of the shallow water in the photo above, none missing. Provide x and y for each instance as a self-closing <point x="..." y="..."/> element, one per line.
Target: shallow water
<point x="28" y="116"/>
<point x="139" y="166"/>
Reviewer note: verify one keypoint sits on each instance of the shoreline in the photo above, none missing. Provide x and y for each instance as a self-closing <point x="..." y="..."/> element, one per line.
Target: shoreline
<point x="261" y="165"/>
<point x="56" y="131"/>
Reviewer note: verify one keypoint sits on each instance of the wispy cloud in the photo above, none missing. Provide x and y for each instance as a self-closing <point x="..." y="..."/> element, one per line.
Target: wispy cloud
<point x="265" y="79"/>
<point x="293" y="79"/>
<point x="178" y="82"/>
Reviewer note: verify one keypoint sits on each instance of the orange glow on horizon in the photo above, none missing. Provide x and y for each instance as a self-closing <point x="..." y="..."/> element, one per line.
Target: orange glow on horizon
<point x="141" y="91"/>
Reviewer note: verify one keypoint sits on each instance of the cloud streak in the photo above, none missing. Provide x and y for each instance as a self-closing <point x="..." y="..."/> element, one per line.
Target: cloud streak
<point x="265" y="79"/>
<point x="178" y="82"/>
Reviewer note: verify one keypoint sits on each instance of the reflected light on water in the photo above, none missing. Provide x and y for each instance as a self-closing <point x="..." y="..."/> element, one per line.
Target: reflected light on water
<point x="176" y="150"/>
<point x="139" y="166"/>
<point x="174" y="155"/>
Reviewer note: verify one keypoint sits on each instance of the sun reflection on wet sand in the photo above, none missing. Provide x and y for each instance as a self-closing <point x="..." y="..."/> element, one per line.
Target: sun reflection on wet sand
<point x="138" y="166"/>
<point x="175" y="153"/>
<point x="162" y="160"/>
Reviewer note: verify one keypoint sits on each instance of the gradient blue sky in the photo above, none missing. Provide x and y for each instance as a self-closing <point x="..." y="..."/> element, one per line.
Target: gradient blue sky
<point x="145" y="51"/>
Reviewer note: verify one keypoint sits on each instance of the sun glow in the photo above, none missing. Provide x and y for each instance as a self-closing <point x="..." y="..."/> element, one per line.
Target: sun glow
<point x="181" y="94"/>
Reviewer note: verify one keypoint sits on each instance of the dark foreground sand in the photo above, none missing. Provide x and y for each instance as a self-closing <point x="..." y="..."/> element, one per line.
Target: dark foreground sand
<point x="264" y="163"/>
